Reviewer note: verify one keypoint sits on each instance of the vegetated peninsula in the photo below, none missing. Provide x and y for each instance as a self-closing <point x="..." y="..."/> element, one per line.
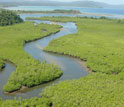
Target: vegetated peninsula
<point x="54" y="11"/>
<point x="84" y="3"/>
<point x="29" y="72"/>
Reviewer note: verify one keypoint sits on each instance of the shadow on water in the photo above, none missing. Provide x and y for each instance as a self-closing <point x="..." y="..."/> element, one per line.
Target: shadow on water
<point x="70" y="66"/>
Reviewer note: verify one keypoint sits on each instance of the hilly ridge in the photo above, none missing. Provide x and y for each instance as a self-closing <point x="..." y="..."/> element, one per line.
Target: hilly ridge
<point x="84" y="3"/>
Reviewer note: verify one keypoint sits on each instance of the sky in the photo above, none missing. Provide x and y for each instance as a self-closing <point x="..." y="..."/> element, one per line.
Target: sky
<point x="105" y="1"/>
<point x="115" y="2"/>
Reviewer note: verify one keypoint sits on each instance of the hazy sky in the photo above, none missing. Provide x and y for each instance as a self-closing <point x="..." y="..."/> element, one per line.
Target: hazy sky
<point x="105" y="1"/>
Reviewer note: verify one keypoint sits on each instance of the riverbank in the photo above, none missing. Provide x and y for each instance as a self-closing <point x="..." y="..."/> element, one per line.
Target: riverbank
<point x="80" y="61"/>
<point x="2" y="66"/>
<point x="69" y="44"/>
<point x="26" y="66"/>
<point x="104" y="58"/>
<point x="100" y="43"/>
<point x="22" y="88"/>
<point x="26" y="42"/>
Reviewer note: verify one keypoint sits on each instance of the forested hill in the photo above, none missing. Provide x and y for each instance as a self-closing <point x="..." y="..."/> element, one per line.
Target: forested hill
<point x="84" y="3"/>
<point x="9" y="18"/>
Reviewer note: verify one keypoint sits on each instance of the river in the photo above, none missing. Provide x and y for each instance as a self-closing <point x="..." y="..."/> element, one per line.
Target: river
<point x="70" y="66"/>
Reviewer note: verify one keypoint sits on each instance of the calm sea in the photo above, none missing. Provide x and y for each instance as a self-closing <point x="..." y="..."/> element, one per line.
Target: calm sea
<point x="117" y="13"/>
<point x="87" y="10"/>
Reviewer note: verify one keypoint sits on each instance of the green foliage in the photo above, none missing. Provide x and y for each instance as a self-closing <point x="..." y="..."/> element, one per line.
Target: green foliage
<point x="9" y="18"/>
<point x="33" y="102"/>
<point x="95" y="90"/>
<point x="98" y="41"/>
<point x="1" y="64"/>
<point x="9" y="87"/>
<point x="42" y="74"/>
<point x="54" y="11"/>
<point x="29" y="72"/>
<point x="103" y="17"/>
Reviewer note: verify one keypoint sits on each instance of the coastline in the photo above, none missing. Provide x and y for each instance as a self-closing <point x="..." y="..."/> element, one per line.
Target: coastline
<point x="81" y="14"/>
<point x="114" y="16"/>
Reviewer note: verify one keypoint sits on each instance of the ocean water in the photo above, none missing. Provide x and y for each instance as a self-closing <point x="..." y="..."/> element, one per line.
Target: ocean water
<point x="84" y="10"/>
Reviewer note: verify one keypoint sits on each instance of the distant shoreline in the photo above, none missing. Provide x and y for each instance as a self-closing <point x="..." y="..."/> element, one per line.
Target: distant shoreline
<point x="85" y="15"/>
<point x="68" y="12"/>
<point x="47" y="5"/>
<point x="62" y="11"/>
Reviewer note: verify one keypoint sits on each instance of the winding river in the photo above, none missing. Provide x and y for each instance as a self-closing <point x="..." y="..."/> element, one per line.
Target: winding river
<point x="70" y="66"/>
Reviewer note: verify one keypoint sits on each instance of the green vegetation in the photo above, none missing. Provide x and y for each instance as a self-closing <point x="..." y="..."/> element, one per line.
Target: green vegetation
<point x="99" y="42"/>
<point x="29" y="72"/>
<point x="33" y="102"/>
<point x="1" y="64"/>
<point x="9" y="18"/>
<point x="54" y="11"/>
<point x="95" y="90"/>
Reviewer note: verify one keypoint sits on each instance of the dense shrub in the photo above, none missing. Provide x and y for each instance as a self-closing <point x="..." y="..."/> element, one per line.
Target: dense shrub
<point x="98" y="41"/>
<point x="9" y="87"/>
<point x="22" y="77"/>
<point x="1" y="64"/>
<point x="33" y="102"/>
<point x="95" y="90"/>
<point x="9" y="18"/>
<point x="29" y="72"/>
